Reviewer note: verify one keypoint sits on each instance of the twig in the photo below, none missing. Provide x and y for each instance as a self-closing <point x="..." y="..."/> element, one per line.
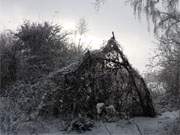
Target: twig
<point x="109" y="133"/>
<point x="138" y="127"/>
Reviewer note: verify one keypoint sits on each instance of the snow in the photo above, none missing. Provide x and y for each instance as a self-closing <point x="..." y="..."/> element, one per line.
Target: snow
<point x="99" y="107"/>
<point x="111" y="108"/>
<point x="160" y="125"/>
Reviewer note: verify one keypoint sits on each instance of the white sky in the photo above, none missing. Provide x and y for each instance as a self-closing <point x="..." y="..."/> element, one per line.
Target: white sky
<point x="114" y="16"/>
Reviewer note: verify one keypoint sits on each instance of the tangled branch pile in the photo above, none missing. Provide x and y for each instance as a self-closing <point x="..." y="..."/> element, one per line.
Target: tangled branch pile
<point x="104" y="76"/>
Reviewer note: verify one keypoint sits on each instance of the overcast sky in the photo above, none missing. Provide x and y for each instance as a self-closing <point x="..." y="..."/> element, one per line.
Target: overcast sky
<point x="114" y="15"/>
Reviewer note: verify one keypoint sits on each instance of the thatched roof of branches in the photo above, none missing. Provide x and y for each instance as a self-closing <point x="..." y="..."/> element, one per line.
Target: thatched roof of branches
<point x="103" y="76"/>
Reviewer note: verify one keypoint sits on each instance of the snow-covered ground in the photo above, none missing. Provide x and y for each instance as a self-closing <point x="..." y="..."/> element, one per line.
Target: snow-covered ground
<point x="161" y="125"/>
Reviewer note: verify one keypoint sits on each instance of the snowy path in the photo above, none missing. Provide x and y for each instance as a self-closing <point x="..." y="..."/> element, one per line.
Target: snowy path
<point x="161" y="125"/>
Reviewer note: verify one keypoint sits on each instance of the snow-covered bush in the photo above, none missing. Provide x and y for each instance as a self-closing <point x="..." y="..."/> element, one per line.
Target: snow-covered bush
<point x="10" y="116"/>
<point x="23" y="103"/>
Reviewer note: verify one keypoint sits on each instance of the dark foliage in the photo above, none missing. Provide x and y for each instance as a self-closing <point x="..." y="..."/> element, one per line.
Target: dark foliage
<point x="26" y="57"/>
<point x="41" y="48"/>
<point x="7" y="59"/>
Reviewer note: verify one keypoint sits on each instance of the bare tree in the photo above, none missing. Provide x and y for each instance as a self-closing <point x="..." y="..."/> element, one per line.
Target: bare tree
<point x="165" y="16"/>
<point x="163" y="13"/>
<point x="82" y="26"/>
<point x="81" y="29"/>
<point x="98" y="3"/>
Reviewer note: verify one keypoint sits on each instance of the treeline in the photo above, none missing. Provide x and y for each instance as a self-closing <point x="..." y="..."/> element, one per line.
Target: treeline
<point x="27" y="56"/>
<point x="33" y="51"/>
